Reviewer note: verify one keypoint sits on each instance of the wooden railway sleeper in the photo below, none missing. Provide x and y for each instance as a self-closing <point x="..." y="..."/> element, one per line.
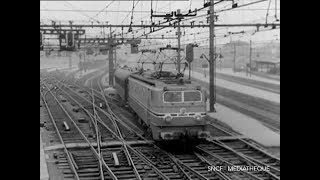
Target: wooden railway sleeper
<point x="143" y="138"/>
<point x="244" y="157"/>
<point x="91" y="115"/>
<point x="85" y="138"/>
<point x="228" y="163"/>
<point x="247" y="144"/>
<point x="60" y="137"/>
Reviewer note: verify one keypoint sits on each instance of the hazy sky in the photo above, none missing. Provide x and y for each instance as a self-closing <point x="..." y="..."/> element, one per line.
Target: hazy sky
<point x="89" y="11"/>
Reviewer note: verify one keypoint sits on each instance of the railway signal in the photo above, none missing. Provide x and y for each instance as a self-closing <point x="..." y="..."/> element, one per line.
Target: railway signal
<point x="189" y="52"/>
<point x="62" y="41"/>
<point x="70" y="40"/>
<point x="67" y="42"/>
<point x="190" y="55"/>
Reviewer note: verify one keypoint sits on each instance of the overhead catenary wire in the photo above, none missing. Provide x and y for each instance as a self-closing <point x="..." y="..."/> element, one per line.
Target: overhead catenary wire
<point x="198" y="17"/>
<point x="82" y="13"/>
<point x="104" y="8"/>
<point x="267" y="14"/>
<point x="200" y="9"/>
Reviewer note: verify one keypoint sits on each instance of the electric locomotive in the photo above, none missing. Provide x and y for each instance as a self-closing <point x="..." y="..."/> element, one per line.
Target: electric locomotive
<point x="171" y="107"/>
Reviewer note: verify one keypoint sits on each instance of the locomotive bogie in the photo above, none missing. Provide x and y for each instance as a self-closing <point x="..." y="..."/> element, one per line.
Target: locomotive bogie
<point x="179" y="132"/>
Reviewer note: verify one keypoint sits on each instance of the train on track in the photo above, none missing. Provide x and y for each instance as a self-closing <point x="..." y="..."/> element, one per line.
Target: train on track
<point x="169" y="106"/>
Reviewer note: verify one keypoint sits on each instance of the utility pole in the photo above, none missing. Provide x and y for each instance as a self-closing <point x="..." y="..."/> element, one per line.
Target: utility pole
<point x="84" y="61"/>
<point x="115" y="56"/>
<point x="220" y="60"/>
<point x="110" y="43"/>
<point x="212" y="59"/>
<point x="234" y="57"/>
<point x="70" y="60"/>
<point x="250" y="58"/>
<point x="179" y="34"/>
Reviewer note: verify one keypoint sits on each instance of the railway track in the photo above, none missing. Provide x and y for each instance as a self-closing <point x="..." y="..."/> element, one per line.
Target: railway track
<point x="264" y="111"/>
<point x="247" y="82"/>
<point x="239" y="151"/>
<point x="244" y="143"/>
<point x="150" y="161"/>
<point x="83" y="96"/>
<point x="252" y="83"/>
<point x="112" y="106"/>
<point x="156" y="170"/>
<point x="62" y="118"/>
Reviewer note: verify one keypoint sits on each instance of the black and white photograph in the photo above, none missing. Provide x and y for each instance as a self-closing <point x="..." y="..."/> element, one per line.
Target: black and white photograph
<point x="160" y="90"/>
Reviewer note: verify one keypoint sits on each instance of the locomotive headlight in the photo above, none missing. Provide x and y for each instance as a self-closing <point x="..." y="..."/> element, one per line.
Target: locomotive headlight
<point x="198" y="117"/>
<point x="167" y="119"/>
<point x="183" y="111"/>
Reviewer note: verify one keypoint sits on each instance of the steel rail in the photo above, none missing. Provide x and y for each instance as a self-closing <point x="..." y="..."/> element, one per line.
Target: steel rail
<point x="101" y="122"/>
<point x="61" y="139"/>
<point x="128" y="156"/>
<point x="168" y="154"/>
<point x="131" y="124"/>
<point x="123" y="141"/>
<point x="85" y="138"/>
<point x="245" y="142"/>
<point x="172" y="157"/>
<point x="245" y="158"/>
<point x="208" y="162"/>
<point x="98" y="137"/>
<point x="220" y="143"/>
<point x="94" y="89"/>
<point x="176" y="161"/>
<point x="223" y="144"/>
<point x="225" y="162"/>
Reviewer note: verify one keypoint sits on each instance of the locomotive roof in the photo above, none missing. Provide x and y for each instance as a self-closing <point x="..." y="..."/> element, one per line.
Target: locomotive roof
<point x="169" y="80"/>
<point x="148" y="77"/>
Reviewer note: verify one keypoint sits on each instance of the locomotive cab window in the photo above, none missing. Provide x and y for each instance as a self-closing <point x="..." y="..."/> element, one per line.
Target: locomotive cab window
<point x="182" y="96"/>
<point x="192" y="96"/>
<point x="172" y="96"/>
